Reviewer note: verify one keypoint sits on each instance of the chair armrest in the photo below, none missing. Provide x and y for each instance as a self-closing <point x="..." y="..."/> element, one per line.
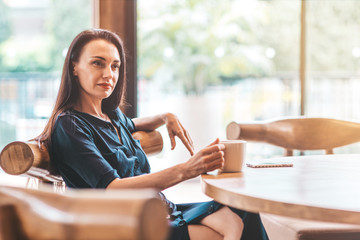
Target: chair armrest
<point x="151" y="142"/>
<point x="82" y="214"/>
<point x="18" y="157"/>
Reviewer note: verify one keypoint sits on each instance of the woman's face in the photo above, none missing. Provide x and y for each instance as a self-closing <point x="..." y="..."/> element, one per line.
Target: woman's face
<point x="97" y="69"/>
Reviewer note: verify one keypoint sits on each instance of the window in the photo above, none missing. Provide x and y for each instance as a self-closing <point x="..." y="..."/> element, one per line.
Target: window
<point x="333" y="53"/>
<point x="333" y="59"/>
<point x="34" y="36"/>
<point x="214" y="62"/>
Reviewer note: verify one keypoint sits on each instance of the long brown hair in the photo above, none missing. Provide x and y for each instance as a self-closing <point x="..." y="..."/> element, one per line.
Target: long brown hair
<point x="69" y="88"/>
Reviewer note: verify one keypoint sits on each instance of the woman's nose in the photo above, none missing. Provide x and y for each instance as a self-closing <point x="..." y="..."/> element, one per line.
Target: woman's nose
<point x="108" y="73"/>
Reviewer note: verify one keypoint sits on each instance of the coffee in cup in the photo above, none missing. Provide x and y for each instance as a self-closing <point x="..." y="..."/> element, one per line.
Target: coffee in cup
<point x="234" y="155"/>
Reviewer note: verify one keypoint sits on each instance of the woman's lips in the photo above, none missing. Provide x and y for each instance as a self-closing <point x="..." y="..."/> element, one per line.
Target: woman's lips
<point x="105" y="85"/>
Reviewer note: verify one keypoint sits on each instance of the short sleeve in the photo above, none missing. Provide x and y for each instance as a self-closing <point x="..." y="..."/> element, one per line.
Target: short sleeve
<point x="76" y="156"/>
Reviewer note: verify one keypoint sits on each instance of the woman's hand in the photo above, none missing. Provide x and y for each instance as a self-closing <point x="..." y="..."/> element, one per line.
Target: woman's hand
<point x="175" y="128"/>
<point x="208" y="159"/>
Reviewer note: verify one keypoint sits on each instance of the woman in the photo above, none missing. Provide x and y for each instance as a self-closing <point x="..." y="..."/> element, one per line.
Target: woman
<point x="91" y="144"/>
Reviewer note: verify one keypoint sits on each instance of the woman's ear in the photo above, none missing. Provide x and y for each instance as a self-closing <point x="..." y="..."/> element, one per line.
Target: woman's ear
<point x="75" y="73"/>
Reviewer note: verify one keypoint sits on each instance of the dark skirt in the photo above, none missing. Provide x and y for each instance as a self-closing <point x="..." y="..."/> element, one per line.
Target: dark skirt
<point x="192" y="213"/>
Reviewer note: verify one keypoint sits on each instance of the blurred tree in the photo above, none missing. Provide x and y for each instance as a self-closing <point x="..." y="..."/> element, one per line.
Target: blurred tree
<point x="198" y="43"/>
<point x="5" y="29"/>
<point x="281" y="32"/>
<point x="67" y="19"/>
<point x="63" y="20"/>
<point x="333" y="35"/>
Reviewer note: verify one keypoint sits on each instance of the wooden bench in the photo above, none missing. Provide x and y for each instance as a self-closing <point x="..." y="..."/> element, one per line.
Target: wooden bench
<point x="30" y="159"/>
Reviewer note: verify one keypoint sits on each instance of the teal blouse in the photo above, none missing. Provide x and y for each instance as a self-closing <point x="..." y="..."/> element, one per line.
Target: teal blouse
<point x="87" y="152"/>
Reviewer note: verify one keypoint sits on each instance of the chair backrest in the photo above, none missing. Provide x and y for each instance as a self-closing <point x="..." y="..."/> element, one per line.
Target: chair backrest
<point x="28" y="158"/>
<point x="81" y="214"/>
<point x="301" y="133"/>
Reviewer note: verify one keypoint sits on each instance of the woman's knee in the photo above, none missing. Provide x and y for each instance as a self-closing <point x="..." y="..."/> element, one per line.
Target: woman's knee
<point x="234" y="222"/>
<point x="225" y="222"/>
<point x="200" y="232"/>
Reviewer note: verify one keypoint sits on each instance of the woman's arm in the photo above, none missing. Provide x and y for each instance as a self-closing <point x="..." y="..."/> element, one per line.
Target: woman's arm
<point x="173" y="125"/>
<point x="207" y="159"/>
<point x="150" y="123"/>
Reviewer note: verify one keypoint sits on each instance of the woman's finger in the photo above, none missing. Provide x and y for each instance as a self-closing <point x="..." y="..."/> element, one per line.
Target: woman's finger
<point x="214" y="142"/>
<point x="189" y="142"/>
<point x="187" y="135"/>
<point x="214" y="156"/>
<point x="214" y="161"/>
<point x="185" y="141"/>
<point x="172" y="140"/>
<point x="213" y="148"/>
<point x="214" y="165"/>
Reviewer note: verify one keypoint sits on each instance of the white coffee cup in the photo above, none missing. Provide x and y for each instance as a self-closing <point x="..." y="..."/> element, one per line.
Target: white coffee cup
<point x="234" y="155"/>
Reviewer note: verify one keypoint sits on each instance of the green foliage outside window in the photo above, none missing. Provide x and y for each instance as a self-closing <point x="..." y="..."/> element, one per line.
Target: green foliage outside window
<point x="63" y="20"/>
<point x="201" y="43"/>
<point x="5" y="30"/>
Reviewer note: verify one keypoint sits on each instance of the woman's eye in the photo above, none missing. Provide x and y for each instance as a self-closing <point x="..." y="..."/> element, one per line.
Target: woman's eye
<point x="97" y="63"/>
<point x="116" y="66"/>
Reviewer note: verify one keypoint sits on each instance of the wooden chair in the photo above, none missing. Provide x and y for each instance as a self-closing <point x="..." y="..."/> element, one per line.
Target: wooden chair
<point x="81" y="214"/>
<point x="30" y="159"/>
<point x="301" y="134"/>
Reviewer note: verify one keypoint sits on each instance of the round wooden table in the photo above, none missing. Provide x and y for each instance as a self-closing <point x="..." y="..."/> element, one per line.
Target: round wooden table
<point x="318" y="187"/>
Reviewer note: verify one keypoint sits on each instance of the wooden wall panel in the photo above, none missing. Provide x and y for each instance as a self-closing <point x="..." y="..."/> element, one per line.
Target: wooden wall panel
<point x="120" y="16"/>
